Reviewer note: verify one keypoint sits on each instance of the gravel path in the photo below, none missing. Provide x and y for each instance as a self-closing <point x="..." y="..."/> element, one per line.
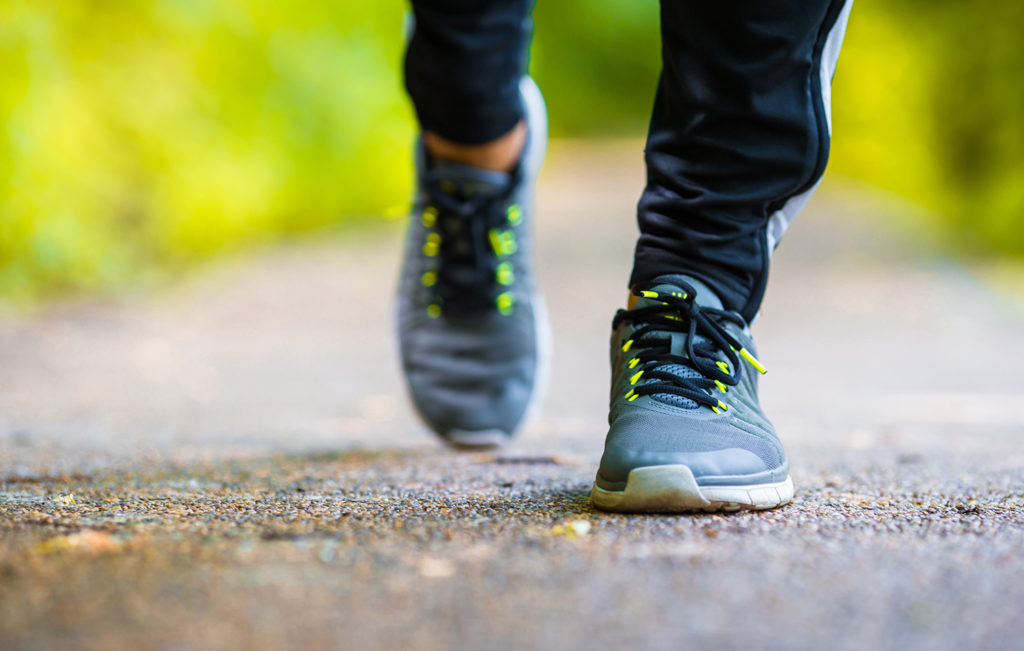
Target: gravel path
<point x="232" y="463"/>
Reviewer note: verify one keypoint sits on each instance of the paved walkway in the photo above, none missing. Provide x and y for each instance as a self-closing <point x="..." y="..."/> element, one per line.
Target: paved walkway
<point x="233" y="463"/>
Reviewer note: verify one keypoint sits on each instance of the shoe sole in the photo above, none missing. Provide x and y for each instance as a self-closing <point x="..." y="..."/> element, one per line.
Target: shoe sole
<point x="487" y="439"/>
<point x="673" y="489"/>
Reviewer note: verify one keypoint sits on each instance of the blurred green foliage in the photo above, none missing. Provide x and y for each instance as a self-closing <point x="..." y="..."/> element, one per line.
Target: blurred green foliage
<point x="144" y="136"/>
<point x="929" y="103"/>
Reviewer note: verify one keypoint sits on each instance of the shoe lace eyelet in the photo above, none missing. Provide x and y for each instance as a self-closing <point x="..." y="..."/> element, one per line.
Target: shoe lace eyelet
<point x="502" y="242"/>
<point x="505" y="302"/>
<point x="429" y="218"/>
<point x="514" y="214"/>
<point x="432" y="246"/>
<point x="504" y="274"/>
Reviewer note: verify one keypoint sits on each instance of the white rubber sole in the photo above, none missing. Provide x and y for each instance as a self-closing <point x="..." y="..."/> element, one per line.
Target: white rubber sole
<point x="486" y="439"/>
<point x="673" y="489"/>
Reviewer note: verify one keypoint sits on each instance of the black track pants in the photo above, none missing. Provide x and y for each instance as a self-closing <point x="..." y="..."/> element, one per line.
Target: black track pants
<point x="463" y="65"/>
<point x="739" y="135"/>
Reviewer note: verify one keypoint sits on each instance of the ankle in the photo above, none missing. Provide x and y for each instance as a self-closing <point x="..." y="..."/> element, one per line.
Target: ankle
<point x="499" y="155"/>
<point x="631" y="301"/>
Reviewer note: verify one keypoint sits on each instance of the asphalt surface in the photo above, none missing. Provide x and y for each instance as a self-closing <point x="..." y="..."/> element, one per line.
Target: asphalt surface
<point x="231" y="462"/>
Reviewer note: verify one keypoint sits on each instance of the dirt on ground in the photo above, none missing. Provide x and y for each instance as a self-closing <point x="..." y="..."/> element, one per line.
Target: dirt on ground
<point x="230" y="462"/>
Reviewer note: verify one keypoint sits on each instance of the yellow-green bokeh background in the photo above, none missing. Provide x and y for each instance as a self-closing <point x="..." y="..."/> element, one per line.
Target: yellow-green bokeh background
<point x="142" y="136"/>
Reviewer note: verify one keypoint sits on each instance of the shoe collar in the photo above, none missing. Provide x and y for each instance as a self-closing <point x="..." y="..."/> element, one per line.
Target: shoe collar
<point x="702" y="294"/>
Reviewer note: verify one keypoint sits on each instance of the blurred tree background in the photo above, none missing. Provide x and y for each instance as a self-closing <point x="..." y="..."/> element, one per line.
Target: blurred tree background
<point x="141" y="137"/>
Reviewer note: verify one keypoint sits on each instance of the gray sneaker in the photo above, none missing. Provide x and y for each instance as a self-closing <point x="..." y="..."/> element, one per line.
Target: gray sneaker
<point x="472" y="330"/>
<point x="686" y="430"/>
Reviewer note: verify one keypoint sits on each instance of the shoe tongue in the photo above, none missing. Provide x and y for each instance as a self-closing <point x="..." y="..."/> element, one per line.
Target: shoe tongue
<point x="466" y="181"/>
<point x="703" y="296"/>
<point x="669" y="283"/>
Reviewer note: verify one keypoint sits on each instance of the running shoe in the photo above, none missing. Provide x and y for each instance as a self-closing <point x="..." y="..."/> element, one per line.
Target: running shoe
<point x="686" y="430"/>
<point x="472" y="329"/>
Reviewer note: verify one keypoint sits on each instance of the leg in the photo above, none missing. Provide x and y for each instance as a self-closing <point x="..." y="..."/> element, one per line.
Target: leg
<point x="471" y="328"/>
<point x="739" y="138"/>
<point x="462" y="71"/>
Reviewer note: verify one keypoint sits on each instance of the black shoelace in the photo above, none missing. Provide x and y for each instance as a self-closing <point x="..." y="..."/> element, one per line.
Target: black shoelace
<point x="706" y="340"/>
<point x="466" y="281"/>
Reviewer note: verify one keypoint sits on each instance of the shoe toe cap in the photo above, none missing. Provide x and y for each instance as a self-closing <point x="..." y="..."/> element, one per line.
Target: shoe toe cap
<point x="728" y="462"/>
<point x="713" y="449"/>
<point x="469" y="412"/>
<point x="470" y="381"/>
